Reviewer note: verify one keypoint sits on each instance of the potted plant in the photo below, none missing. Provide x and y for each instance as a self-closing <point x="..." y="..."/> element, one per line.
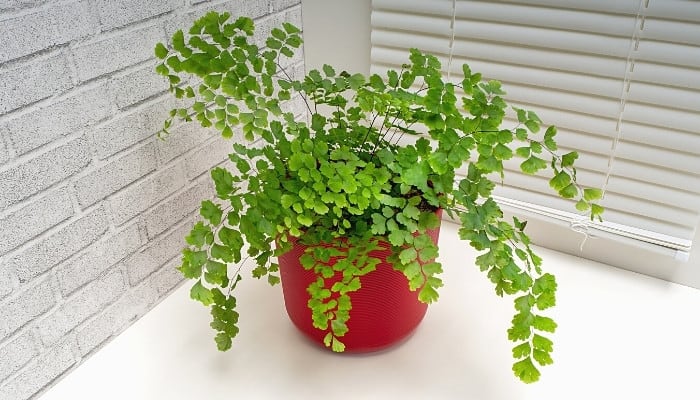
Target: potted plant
<point x="359" y="186"/>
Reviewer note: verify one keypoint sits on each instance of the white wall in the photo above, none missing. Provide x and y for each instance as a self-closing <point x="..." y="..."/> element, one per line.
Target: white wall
<point x="93" y="208"/>
<point x="337" y="32"/>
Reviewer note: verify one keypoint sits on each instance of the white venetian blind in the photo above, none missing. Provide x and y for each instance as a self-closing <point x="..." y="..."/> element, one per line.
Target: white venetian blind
<point x="619" y="78"/>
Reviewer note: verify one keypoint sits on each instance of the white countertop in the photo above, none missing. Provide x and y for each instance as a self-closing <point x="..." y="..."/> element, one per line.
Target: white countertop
<point x="621" y="336"/>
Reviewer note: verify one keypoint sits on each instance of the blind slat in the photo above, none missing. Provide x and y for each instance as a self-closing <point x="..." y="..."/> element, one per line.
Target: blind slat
<point x="604" y="72"/>
<point x="554" y="18"/>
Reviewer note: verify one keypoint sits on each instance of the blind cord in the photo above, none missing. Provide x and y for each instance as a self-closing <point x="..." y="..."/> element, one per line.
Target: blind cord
<point x="452" y="39"/>
<point x="582" y="224"/>
<point x="629" y="69"/>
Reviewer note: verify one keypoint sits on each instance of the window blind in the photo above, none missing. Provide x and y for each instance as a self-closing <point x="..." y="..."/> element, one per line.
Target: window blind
<point x="619" y="78"/>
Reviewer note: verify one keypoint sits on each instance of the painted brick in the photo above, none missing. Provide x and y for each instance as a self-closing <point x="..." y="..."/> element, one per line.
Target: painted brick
<point x="138" y="197"/>
<point x="43" y="125"/>
<point x="163" y="216"/>
<point x="151" y="258"/>
<point x="33" y="219"/>
<point x="132" y="305"/>
<point x="137" y="85"/>
<point x="206" y="157"/>
<point x="19" y="4"/>
<point x="33" y="80"/>
<point x="166" y="279"/>
<point x="114" y="14"/>
<point x="81" y="306"/>
<point x="183" y="138"/>
<point x="296" y="106"/>
<point x="30" y="34"/>
<point x="118" y="134"/>
<point x="265" y="25"/>
<point x="40" y="372"/>
<point x="68" y="240"/>
<point x="16" y="354"/>
<point x="105" y="324"/>
<point x="278" y="5"/>
<point x="131" y="128"/>
<point x="98" y="258"/>
<point x="43" y="171"/>
<point x="4" y="151"/>
<point x="114" y="53"/>
<point x="114" y="175"/>
<point x="237" y="8"/>
<point x="74" y="20"/>
<point x="156" y="112"/>
<point x="7" y="284"/>
<point x="36" y="299"/>
<point x="294" y="66"/>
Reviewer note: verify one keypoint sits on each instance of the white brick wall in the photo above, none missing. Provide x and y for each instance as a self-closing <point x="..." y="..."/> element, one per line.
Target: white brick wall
<point x="93" y="208"/>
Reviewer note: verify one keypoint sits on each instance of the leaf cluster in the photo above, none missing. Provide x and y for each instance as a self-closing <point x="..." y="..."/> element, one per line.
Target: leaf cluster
<point x="369" y="173"/>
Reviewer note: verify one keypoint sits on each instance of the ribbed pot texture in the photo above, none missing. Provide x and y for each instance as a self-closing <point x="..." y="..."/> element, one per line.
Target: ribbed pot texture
<point x="384" y="311"/>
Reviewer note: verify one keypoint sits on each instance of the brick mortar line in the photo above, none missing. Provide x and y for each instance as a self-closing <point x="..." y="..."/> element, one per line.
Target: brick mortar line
<point x="50" y="274"/>
<point x="68" y="183"/>
<point x="47" y="233"/>
<point x="55" y="98"/>
<point x="97" y="163"/>
<point x="188" y="182"/>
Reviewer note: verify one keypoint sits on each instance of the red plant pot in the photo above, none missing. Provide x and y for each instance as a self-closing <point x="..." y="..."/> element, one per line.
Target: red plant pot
<point x="384" y="311"/>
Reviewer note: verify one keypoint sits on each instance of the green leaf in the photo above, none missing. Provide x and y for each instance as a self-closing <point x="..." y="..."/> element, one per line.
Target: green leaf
<point x="162" y="69"/>
<point x="567" y="160"/>
<point x="211" y="212"/>
<point x="273" y="43"/>
<point x="199" y="235"/>
<point x="542" y="343"/>
<point x="179" y="44"/>
<point x="356" y="81"/>
<point x="502" y="152"/>
<point x="521" y="350"/>
<point x="582" y="205"/>
<point x="544" y="324"/>
<point x="428" y="220"/>
<point x="542" y="357"/>
<point x="408" y="255"/>
<point x="290" y="28"/>
<point x="161" y="51"/>
<point x="532" y="165"/>
<point x="569" y="192"/>
<point x="417" y="175"/>
<point x="200" y="293"/>
<point x="192" y="262"/>
<point x="337" y="345"/>
<point x="328" y="70"/>
<point x="560" y="180"/>
<point x="304" y="219"/>
<point x="428" y="294"/>
<point x="279" y="34"/>
<point x="222" y="253"/>
<point x="523" y="152"/>
<point x="223" y="341"/>
<point x="396" y="238"/>
<point x="533" y="126"/>
<point x="546" y="300"/>
<point x="526" y="371"/>
<point x="592" y="194"/>
<point x="428" y="253"/>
